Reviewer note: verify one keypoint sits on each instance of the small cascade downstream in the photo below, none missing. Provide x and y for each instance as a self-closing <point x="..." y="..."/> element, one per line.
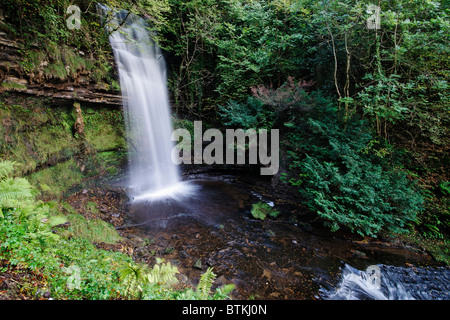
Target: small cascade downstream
<point x="391" y="283"/>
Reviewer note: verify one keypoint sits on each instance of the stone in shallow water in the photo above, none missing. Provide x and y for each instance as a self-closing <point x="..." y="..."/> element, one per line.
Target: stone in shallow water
<point x="198" y="264"/>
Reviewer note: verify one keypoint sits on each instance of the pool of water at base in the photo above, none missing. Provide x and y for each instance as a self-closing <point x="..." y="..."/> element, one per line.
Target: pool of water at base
<point x="277" y="258"/>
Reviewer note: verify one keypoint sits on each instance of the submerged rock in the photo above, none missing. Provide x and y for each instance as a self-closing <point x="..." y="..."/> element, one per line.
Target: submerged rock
<point x="198" y="264"/>
<point x="183" y="254"/>
<point x="359" y="254"/>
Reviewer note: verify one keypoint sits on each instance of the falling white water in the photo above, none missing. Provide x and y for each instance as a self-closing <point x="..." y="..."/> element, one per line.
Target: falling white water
<point x="395" y="283"/>
<point x="142" y="72"/>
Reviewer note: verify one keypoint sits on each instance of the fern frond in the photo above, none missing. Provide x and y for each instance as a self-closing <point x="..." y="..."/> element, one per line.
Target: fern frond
<point x="205" y="283"/>
<point x="224" y="291"/>
<point x="133" y="277"/>
<point x="15" y="188"/>
<point x="189" y="294"/>
<point x="163" y="274"/>
<point x="6" y="168"/>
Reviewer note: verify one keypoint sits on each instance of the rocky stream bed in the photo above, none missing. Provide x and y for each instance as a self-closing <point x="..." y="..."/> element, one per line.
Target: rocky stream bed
<point x="290" y="257"/>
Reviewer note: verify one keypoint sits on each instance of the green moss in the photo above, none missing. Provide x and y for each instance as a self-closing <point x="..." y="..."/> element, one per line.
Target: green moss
<point x="63" y="62"/>
<point x="32" y="60"/>
<point x="56" y="70"/>
<point x="92" y="207"/>
<point x="104" y="129"/>
<point x="41" y="137"/>
<point x="93" y="230"/>
<point x="112" y="160"/>
<point x="13" y="85"/>
<point x="33" y="134"/>
<point x="74" y="60"/>
<point x="53" y="181"/>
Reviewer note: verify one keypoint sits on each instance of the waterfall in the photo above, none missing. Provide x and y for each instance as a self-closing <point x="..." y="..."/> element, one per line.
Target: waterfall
<point x="395" y="283"/>
<point x="143" y="81"/>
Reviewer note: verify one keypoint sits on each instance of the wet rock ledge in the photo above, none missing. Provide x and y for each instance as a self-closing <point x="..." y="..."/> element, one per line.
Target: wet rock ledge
<point x="15" y="79"/>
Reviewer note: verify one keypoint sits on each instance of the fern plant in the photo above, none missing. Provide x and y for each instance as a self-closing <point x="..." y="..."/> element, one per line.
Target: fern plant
<point x="13" y="191"/>
<point x="12" y="188"/>
<point x="17" y="198"/>
<point x="203" y="289"/>
<point x="138" y="278"/>
<point x="6" y="168"/>
<point x="205" y="283"/>
<point x="348" y="188"/>
<point x="133" y="277"/>
<point x="445" y="187"/>
<point x="162" y="273"/>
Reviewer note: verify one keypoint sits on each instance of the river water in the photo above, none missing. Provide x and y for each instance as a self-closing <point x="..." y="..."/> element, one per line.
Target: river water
<point x="394" y="283"/>
<point x="282" y="258"/>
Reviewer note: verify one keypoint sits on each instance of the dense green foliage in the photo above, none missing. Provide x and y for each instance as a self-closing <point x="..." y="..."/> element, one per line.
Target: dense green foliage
<point x="364" y="114"/>
<point x="349" y="187"/>
<point x="41" y="137"/>
<point x="72" y="267"/>
<point x="236" y="60"/>
<point x="335" y="166"/>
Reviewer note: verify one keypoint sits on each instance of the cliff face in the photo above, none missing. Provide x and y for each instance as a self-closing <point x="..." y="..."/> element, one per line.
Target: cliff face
<point x="15" y="78"/>
<point x="40" y="113"/>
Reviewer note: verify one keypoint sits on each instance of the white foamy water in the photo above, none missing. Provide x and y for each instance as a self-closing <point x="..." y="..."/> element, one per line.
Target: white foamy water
<point x="143" y="82"/>
<point x="394" y="283"/>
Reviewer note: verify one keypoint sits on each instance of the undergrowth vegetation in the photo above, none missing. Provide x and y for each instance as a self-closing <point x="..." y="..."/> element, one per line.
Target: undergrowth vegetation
<point x="51" y="51"/>
<point x="345" y="177"/>
<point x="362" y="112"/>
<point x="59" y="245"/>
<point x="363" y="116"/>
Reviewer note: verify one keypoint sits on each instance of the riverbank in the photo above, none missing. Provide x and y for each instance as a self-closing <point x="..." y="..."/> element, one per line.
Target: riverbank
<point x="289" y="257"/>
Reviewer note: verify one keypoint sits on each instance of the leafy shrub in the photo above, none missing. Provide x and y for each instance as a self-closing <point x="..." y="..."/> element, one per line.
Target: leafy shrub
<point x="141" y="282"/>
<point x="27" y="239"/>
<point x="70" y="264"/>
<point x="347" y="177"/>
<point x="346" y="182"/>
<point x="94" y="230"/>
<point x="261" y="210"/>
<point x="361" y="196"/>
<point x="133" y="277"/>
<point x="252" y="114"/>
<point x="12" y="188"/>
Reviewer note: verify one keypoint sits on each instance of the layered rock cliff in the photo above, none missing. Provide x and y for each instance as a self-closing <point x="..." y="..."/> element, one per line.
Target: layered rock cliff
<point x="41" y="107"/>
<point x="14" y="77"/>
